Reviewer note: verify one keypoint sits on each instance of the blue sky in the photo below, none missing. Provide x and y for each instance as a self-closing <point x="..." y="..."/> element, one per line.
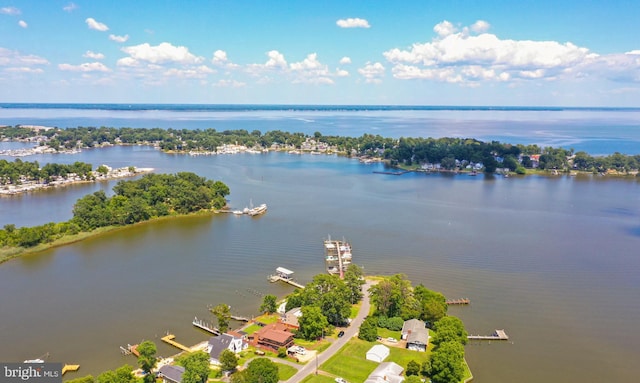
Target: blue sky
<point x="540" y="53"/>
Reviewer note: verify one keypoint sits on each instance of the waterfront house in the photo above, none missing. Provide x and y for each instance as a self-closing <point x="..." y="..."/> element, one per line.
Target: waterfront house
<point x="416" y="334"/>
<point x="387" y="372"/>
<point x="290" y="318"/>
<point x="378" y="353"/>
<point x="226" y="341"/>
<point x="171" y="374"/>
<point x="272" y="336"/>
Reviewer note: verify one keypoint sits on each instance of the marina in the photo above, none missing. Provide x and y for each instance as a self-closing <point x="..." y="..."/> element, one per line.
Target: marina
<point x="337" y="256"/>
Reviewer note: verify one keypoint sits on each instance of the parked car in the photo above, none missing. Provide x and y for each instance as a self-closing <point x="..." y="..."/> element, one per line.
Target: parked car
<point x="340" y="334"/>
<point x="340" y="380"/>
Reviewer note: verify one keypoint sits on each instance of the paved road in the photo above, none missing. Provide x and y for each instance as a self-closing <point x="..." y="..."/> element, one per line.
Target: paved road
<point x="350" y="332"/>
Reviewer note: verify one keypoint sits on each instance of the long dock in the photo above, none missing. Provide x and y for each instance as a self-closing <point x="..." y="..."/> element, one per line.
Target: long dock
<point x="240" y="318"/>
<point x="461" y="301"/>
<point x="497" y="335"/>
<point x="201" y="324"/>
<point x="169" y="338"/>
<point x="276" y="278"/>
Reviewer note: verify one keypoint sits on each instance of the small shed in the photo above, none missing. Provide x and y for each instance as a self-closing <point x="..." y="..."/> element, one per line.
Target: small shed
<point x="378" y="353"/>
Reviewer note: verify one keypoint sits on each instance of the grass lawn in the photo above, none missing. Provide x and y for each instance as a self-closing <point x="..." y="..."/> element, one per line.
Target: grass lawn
<point x="267" y="318"/>
<point x="350" y="362"/>
<point x="251" y="329"/>
<point x="354" y="310"/>
<point x="313" y="344"/>
<point x="402" y="356"/>
<point x="386" y="333"/>
<point x="317" y="379"/>
<point x="285" y="371"/>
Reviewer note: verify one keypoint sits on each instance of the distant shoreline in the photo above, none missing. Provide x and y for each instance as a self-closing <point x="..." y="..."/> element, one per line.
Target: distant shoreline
<point x="10" y="189"/>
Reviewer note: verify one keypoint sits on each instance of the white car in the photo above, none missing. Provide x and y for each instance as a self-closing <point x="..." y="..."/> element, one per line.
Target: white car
<point x="340" y="380"/>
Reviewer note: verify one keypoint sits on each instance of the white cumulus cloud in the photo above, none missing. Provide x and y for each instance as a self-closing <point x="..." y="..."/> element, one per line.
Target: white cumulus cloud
<point x="93" y="55"/>
<point x="15" y="58"/>
<point x="13" y="11"/>
<point x="161" y="53"/>
<point x="372" y="72"/>
<point x="458" y="56"/>
<point x="86" y="67"/>
<point x="24" y="69"/>
<point x="119" y="39"/>
<point x="70" y="7"/>
<point x="229" y="84"/>
<point x="353" y="23"/>
<point x="196" y="72"/>
<point x="23" y="24"/>
<point x="480" y="26"/>
<point x="220" y="59"/>
<point x="95" y="25"/>
<point x="345" y="60"/>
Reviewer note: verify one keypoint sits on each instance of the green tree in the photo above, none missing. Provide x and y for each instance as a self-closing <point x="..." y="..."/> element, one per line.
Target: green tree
<point x="413" y="368"/>
<point x="446" y="363"/>
<point x="262" y="370"/>
<point x="449" y="329"/>
<point x="223" y="314"/>
<point x="147" y="359"/>
<point x="368" y="330"/>
<point x="312" y="323"/>
<point x="196" y="367"/>
<point x="412" y="379"/>
<point x="282" y="352"/>
<point x="228" y="360"/>
<point x="269" y="303"/>
<point x="102" y="170"/>
<point x="354" y="279"/>
<point x="122" y="374"/>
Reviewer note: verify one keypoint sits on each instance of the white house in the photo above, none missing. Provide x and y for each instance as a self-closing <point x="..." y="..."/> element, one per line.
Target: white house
<point x="378" y="353"/>
<point x="217" y="344"/>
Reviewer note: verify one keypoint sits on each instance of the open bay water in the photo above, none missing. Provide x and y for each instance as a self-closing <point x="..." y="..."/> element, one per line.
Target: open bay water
<point x="552" y="260"/>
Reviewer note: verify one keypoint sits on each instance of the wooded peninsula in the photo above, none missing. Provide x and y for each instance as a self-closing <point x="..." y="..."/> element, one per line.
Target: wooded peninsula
<point x="151" y="197"/>
<point x="450" y="154"/>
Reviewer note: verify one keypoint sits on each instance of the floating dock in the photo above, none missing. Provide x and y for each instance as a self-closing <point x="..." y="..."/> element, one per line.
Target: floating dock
<point x="461" y="301"/>
<point x="169" y="338"/>
<point x="286" y="276"/>
<point x="497" y="335"/>
<point x="70" y="368"/>
<point x="203" y="325"/>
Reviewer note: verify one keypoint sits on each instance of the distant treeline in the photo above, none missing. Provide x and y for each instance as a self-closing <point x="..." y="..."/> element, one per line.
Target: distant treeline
<point x="152" y="196"/>
<point x="450" y="153"/>
<point x="17" y="171"/>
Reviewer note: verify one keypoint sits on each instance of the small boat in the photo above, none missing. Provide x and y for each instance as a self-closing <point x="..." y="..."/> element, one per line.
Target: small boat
<point x="258" y="210"/>
<point x="238" y="212"/>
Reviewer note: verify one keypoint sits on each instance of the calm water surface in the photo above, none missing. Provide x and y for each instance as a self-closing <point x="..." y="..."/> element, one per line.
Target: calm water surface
<point x="553" y="261"/>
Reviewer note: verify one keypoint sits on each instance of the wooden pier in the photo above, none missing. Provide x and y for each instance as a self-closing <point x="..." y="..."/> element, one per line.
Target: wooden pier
<point x="240" y="318"/>
<point x="130" y="349"/>
<point x="169" y="338"/>
<point x="285" y="275"/>
<point x="497" y="335"/>
<point x="461" y="301"/>
<point x="203" y="325"/>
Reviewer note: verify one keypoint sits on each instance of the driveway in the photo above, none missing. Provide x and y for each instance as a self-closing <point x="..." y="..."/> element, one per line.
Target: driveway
<point x="349" y="332"/>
